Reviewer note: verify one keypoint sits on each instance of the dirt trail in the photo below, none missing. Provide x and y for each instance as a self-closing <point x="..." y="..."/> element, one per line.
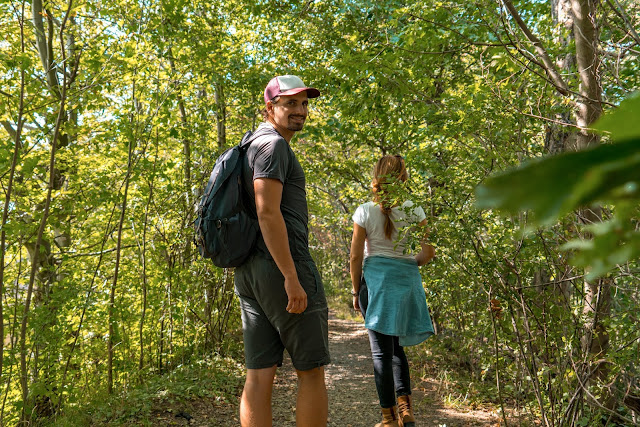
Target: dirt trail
<point x="352" y="396"/>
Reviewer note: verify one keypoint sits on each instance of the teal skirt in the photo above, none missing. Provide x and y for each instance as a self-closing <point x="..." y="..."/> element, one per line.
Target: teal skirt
<point x="397" y="301"/>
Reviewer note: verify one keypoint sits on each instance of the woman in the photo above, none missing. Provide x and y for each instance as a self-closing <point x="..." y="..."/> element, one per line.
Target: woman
<point x="390" y="293"/>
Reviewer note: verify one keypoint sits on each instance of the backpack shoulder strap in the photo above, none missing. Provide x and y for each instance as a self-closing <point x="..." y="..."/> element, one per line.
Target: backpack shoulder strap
<point x="249" y="137"/>
<point x="246" y="140"/>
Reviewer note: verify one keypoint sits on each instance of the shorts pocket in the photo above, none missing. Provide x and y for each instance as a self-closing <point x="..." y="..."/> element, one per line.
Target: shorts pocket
<point x="241" y="279"/>
<point x="309" y="277"/>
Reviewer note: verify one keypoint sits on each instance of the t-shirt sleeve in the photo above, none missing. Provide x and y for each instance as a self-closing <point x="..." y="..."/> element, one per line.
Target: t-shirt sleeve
<point x="360" y="216"/>
<point x="271" y="159"/>
<point x="415" y="213"/>
<point x="419" y="214"/>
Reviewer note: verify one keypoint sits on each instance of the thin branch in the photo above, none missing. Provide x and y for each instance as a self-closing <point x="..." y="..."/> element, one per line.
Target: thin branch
<point x="102" y="252"/>
<point x="619" y="10"/>
<point x="10" y="130"/>
<point x="335" y="196"/>
<point x="422" y="52"/>
<point x="547" y="63"/>
<point x="569" y="279"/>
<point x="86" y="306"/>
<point x="496" y="349"/>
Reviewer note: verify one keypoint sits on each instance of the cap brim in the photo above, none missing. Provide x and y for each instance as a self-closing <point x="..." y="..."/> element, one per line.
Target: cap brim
<point x="311" y="92"/>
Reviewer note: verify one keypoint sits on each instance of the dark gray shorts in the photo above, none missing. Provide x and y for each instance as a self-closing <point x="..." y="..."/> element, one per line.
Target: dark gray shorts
<point x="268" y="328"/>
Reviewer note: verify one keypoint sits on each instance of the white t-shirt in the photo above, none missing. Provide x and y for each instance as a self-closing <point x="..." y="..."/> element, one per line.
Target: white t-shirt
<point x="370" y="217"/>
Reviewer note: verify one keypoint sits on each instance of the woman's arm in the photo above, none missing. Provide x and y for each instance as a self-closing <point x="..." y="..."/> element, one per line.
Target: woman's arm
<point x="428" y="252"/>
<point x="355" y="261"/>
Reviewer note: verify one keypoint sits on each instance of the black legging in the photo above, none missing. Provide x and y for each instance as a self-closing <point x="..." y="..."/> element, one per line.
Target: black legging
<point x="390" y="366"/>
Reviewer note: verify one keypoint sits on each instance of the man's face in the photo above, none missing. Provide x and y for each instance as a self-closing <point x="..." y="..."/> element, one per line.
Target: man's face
<point x="290" y="112"/>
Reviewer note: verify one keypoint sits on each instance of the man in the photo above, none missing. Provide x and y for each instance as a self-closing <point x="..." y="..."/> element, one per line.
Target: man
<point x="281" y="294"/>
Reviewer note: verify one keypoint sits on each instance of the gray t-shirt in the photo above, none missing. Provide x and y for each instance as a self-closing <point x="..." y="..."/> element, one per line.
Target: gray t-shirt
<point x="270" y="156"/>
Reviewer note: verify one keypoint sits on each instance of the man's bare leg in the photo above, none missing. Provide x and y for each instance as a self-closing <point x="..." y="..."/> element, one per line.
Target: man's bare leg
<point x="255" y="404"/>
<point x="312" y="407"/>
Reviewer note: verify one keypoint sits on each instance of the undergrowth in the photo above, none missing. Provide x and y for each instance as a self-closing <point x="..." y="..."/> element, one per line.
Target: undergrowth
<point x="215" y="378"/>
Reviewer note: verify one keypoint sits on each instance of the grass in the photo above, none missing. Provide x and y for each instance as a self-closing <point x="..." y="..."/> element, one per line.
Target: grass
<point x="341" y="307"/>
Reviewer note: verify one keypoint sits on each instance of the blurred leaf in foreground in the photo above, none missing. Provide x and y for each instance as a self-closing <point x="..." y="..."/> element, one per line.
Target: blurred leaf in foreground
<point x="623" y="123"/>
<point x="553" y="186"/>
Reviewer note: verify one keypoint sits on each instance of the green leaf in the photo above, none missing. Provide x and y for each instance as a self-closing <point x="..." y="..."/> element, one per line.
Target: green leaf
<point x="556" y="185"/>
<point x="622" y="123"/>
<point x="614" y="242"/>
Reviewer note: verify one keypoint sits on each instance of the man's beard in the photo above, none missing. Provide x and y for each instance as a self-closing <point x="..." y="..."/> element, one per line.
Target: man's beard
<point x="295" y="126"/>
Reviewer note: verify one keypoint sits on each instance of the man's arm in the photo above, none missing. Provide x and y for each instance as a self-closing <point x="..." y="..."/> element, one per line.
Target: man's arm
<point x="274" y="231"/>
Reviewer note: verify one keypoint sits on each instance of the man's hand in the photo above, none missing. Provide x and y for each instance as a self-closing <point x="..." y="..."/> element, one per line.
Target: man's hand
<point x="356" y="303"/>
<point x="296" y="294"/>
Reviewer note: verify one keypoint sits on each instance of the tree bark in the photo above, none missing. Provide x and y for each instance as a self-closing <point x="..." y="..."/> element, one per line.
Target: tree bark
<point x="221" y="115"/>
<point x="45" y="48"/>
<point x="587" y="60"/>
<point x="589" y="108"/>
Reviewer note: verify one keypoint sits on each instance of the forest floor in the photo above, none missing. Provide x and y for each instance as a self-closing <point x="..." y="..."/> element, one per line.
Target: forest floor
<point x="351" y="388"/>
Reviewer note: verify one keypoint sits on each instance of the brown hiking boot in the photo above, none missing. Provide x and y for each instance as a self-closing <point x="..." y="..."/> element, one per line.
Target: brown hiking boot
<point x="405" y="413"/>
<point x="389" y="417"/>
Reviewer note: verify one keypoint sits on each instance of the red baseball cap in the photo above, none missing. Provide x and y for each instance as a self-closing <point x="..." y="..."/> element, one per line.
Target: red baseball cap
<point x="287" y="85"/>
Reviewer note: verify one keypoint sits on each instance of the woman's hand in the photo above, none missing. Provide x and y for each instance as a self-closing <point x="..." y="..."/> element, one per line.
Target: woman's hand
<point x="428" y="252"/>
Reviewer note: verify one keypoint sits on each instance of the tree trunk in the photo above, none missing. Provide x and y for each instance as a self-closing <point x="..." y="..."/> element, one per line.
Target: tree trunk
<point x="16" y="136"/>
<point x="589" y="108"/>
<point x="221" y="115"/>
<point x="144" y="272"/>
<point x="35" y="261"/>
<point x="586" y="40"/>
<point x="48" y="33"/>
<point x="186" y="151"/>
<point x="45" y="48"/>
